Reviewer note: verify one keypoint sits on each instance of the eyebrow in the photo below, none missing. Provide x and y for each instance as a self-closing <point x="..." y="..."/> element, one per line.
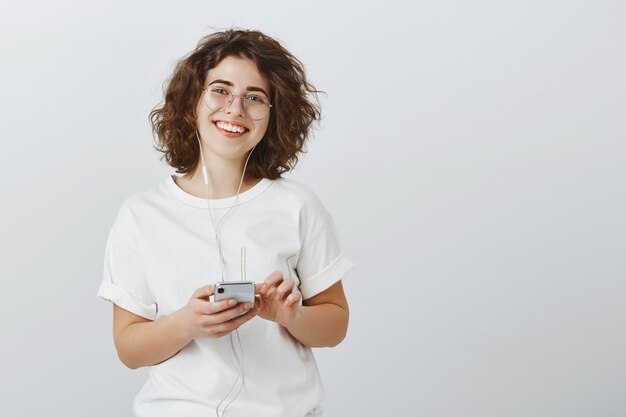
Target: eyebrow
<point x="228" y="83"/>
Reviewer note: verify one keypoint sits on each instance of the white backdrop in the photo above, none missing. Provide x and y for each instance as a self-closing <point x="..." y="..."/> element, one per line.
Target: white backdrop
<point x="472" y="154"/>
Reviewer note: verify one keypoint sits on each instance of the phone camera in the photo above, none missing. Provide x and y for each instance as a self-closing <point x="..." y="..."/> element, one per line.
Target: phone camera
<point x="220" y="290"/>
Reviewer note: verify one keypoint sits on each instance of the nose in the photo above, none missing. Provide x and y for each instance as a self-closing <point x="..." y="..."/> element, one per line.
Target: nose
<point x="236" y="106"/>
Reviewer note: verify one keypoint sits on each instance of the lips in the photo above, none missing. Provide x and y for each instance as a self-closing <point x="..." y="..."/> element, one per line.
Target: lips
<point x="230" y="126"/>
<point x="230" y="129"/>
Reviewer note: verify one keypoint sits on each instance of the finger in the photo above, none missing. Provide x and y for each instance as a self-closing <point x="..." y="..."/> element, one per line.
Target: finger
<point x="284" y="288"/>
<point x="218" y="306"/>
<point x="273" y="279"/>
<point x="230" y="313"/>
<point x="204" y="292"/>
<point x="233" y="324"/>
<point x="293" y="298"/>
<point x="268" y="292"/>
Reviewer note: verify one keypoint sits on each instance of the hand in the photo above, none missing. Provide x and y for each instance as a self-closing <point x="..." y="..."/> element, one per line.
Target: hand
<point x="202" y="318"/>
<point x="278" y="299"/>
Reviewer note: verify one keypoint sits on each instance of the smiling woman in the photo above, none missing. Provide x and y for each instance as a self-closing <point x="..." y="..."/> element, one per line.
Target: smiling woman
<point x="237" y="112"/>
<point x="280" y="80"/>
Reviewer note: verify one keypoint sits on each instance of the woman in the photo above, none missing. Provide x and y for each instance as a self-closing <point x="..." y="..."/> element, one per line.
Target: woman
<point x="235" y="116"/>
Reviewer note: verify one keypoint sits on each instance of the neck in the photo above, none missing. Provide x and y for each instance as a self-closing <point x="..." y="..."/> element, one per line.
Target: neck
<point x="224" y="178"/>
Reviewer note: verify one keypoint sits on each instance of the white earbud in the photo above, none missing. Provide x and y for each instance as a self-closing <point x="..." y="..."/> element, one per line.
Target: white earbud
<point x="204" y="174"/>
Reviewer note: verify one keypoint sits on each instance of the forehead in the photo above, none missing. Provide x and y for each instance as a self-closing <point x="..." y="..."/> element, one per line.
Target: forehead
<point x="242" y="72"/>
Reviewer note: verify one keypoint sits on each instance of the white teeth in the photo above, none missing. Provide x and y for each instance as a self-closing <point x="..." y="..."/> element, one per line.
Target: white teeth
<point x="230" y="128"/>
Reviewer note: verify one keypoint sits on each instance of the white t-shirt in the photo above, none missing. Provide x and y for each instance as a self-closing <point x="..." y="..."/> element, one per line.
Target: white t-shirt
<point x="162" y="248"/>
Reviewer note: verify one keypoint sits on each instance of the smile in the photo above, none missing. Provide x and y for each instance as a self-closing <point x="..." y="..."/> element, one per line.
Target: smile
<point x="230" y="128"/>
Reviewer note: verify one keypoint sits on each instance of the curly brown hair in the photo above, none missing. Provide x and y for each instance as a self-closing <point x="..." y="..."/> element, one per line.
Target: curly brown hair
<point x="292" y="115"/>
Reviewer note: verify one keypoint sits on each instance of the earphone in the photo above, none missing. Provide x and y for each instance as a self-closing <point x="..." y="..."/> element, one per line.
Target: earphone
<point x="216" y="229"/>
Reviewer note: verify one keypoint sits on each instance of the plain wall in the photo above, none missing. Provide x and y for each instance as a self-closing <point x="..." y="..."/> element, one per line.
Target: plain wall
<point x="472" y="154"/>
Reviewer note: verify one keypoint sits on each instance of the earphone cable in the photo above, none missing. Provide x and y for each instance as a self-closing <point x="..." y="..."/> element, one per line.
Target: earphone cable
<point x="239" y="375"/>
<point x="216" y="229"/>
<point x="219" y="224"/>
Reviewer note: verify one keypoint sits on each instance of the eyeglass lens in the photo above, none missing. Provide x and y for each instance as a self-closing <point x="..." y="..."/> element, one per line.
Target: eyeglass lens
<point x="255" y="106"/>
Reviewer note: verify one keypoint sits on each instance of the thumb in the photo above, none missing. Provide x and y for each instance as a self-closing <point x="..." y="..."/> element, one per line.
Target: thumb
<point x="204" y="292"/>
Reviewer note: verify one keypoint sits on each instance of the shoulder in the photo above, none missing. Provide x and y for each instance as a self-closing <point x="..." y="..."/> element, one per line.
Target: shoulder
<point x="138" y="202"/>
<point x="137" y="207"/>
<point x="303" y="204"/>
<point x="300" y="195"/>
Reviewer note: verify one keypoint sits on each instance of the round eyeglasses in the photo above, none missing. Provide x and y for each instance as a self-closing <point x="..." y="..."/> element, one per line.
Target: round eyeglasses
<point x="255" y="106"/>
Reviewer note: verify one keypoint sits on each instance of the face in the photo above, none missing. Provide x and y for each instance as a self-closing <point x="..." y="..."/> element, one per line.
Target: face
<point x="230" y="132"/>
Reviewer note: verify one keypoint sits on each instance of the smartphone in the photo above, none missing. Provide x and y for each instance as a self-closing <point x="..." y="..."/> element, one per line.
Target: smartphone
<point x="242" y="291"/>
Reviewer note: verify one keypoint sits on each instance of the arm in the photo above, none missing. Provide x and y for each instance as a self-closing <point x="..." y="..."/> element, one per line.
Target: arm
<point x="142" y="342"/>
<point x="321" y="321"/>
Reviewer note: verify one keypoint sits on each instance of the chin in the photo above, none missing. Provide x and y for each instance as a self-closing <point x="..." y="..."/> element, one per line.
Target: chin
<point x="231" y="153"/>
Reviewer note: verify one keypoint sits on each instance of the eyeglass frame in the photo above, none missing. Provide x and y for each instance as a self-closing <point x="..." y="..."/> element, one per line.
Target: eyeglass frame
<point x="232" y="100"/>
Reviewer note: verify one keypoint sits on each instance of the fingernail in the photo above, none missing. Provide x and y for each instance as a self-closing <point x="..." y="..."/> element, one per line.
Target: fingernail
<point x="232" y="302"/>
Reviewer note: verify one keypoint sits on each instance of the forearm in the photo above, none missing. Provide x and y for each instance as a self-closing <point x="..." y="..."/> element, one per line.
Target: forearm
<point x="150" y="343"/>
<point x="322" y="325"/>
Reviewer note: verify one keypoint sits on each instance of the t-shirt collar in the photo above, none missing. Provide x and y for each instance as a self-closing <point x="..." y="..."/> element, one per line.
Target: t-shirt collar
<point x="223" y="203"/>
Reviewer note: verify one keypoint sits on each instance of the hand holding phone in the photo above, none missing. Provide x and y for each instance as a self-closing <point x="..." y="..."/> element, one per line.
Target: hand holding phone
<point x="202" y="317"/>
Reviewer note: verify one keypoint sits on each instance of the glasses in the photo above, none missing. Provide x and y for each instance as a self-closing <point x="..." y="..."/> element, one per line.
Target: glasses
<point x="255" y="106"/>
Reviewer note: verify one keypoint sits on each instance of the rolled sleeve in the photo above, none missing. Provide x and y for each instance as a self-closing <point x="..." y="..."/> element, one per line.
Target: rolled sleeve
<point x="322" y="263"/>
<point x="123" y="282"/>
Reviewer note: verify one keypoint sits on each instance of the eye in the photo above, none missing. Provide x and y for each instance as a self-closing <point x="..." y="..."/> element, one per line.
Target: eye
<point x="218" y="90"/>
<point x="257" y="99"/>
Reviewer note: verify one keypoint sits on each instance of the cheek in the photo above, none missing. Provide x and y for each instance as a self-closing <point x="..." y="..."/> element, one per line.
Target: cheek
<point x="200" y="115"/>
<point x="202" y="111"/>
<point x="262" y="128"/>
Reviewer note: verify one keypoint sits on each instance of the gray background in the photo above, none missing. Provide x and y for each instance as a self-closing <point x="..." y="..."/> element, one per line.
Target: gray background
<point x="472" y="154"/>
